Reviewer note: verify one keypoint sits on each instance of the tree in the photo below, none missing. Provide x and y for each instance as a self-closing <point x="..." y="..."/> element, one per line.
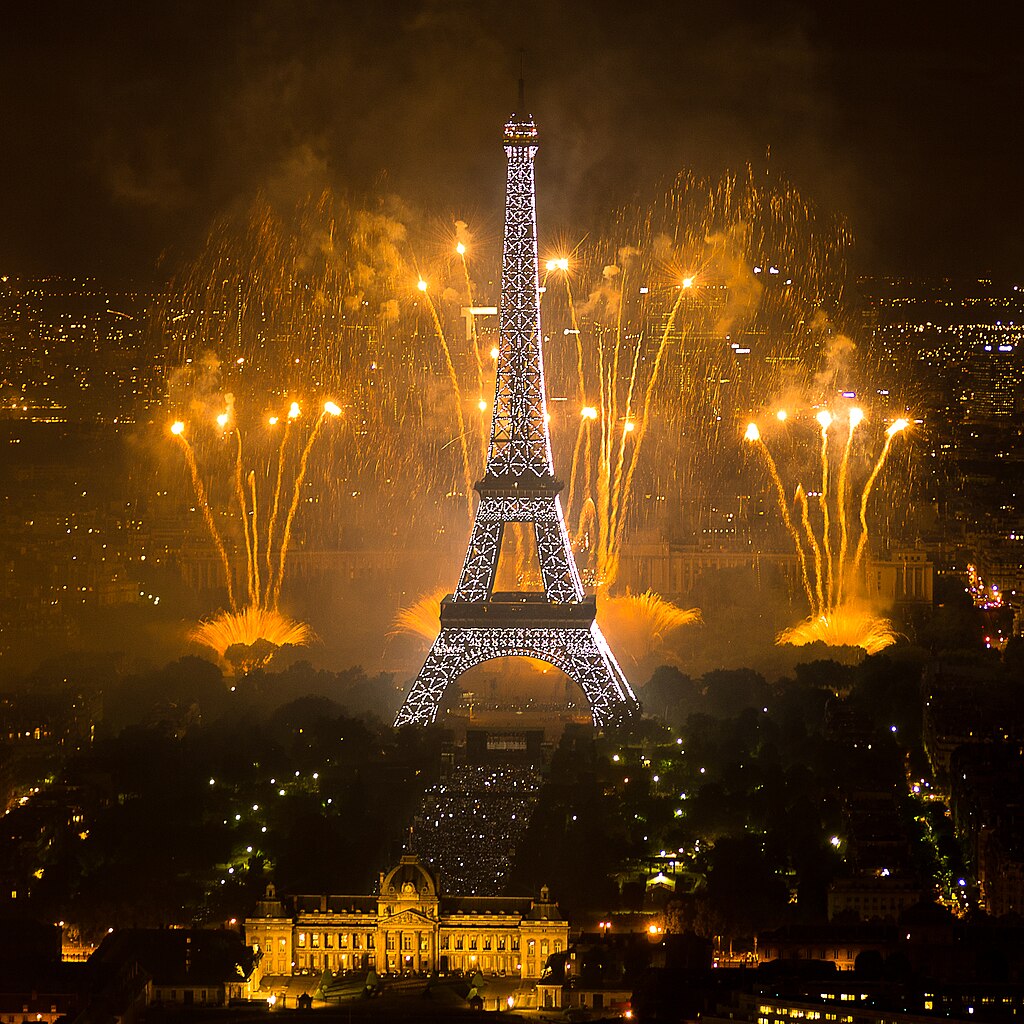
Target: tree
<point x="745" y="888"/>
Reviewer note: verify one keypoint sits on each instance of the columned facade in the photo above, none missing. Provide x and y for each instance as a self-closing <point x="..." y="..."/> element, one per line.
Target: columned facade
<point x="409" y="927"/>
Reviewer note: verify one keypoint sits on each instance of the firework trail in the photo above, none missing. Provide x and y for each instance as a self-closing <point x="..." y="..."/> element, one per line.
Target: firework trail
<point x="896" y="427"/>
<point x="274" y="593"/>
<point x="260" y="619"/>
<point x="855" y="416"/>
<point x="460" y="250"/>
<point x="293" y="413"/>
<point x="838" y="614"/>
<point x="178" y="430"/>
<point x="754" y="435"/>
<point x="457" y="393"/>
<point x="825" y="419"/>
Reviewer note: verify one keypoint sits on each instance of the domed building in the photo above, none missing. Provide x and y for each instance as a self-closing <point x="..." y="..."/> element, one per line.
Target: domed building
<point x="409" y="927"/>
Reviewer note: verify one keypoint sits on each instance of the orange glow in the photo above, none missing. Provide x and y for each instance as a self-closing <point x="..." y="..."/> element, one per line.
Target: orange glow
<point x="244" y="628"/>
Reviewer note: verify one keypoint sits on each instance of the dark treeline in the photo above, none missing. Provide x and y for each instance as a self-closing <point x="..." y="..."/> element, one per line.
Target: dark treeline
<point x="198" y="790"/>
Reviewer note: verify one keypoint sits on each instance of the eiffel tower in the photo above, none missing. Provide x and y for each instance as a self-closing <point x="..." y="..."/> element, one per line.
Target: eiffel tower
<point x="557" y="626"/>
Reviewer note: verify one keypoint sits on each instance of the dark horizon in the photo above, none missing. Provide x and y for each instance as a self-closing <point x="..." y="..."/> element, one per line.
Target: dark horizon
<point x="130" y="130"/>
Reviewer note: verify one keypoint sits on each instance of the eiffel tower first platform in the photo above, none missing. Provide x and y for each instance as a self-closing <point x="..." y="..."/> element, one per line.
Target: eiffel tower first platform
<point x="557" y="626"/>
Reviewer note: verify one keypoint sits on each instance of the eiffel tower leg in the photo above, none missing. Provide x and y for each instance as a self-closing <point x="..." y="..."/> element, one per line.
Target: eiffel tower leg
<point x="591" y="664"/>
<point x="478" y="571"/>
<point x="562" y="582"/>
<point x="449" y="657"/>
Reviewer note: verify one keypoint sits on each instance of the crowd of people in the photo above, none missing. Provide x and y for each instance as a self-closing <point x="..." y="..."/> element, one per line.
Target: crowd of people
<point x="469" y="825"/>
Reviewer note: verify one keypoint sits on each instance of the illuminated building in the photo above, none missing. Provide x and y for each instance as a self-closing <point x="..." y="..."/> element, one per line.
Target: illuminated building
<point x="993" y="386"/>
<point x="557" y="626"/>
<point x="409" y="927"/>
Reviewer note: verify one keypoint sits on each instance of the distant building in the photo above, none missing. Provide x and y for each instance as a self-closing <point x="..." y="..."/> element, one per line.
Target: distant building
<point x="879" y="897"/>
<point x="904" y="579"/>
<point x="37" y="987"/>
<point x="187" y="966"/>
<point x="409" y="927"/>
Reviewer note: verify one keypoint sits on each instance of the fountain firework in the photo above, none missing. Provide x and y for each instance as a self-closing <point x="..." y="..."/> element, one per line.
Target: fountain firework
<point x="255" y="625"/>
<point x="832" y="579"/>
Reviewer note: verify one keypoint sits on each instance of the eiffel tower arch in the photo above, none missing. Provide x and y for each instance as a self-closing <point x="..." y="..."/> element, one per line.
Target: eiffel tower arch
<point x="559" y="625"/>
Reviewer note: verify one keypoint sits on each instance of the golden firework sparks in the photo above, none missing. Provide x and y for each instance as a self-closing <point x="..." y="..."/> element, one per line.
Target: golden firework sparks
<point x="838" y="612"/>
<point x="260" y="619"/>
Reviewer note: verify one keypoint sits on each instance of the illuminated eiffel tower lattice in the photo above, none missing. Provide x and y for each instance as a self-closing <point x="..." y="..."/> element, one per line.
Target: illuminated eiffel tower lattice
<point x="557" y="626"/>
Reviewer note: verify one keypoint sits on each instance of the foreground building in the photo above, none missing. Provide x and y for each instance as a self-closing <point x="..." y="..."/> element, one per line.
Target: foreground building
<point x="409" y="927"/>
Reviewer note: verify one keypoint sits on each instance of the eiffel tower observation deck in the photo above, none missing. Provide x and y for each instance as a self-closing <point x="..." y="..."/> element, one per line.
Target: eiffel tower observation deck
<point x="558" y="625"/>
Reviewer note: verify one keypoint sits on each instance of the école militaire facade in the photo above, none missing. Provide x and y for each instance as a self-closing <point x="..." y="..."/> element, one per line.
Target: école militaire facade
<point x="409" y="927"/>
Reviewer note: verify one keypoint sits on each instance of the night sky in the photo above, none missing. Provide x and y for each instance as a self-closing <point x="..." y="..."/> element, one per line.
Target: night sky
<point x="128" y="127"/>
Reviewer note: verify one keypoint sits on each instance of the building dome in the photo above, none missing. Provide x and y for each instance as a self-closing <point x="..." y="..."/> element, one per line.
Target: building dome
<point x="410" y="878"/>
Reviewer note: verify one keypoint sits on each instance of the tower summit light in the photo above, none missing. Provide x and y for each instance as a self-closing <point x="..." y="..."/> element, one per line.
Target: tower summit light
<point x="559" y="625"/>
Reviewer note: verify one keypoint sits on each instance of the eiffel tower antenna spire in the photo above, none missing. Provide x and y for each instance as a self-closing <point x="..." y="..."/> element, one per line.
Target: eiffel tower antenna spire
<point x="559" y="625"/>
<point x="522" y="82"/>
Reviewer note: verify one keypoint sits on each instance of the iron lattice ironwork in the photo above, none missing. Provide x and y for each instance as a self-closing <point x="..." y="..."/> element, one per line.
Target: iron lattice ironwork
<point x="519" y="486"/>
